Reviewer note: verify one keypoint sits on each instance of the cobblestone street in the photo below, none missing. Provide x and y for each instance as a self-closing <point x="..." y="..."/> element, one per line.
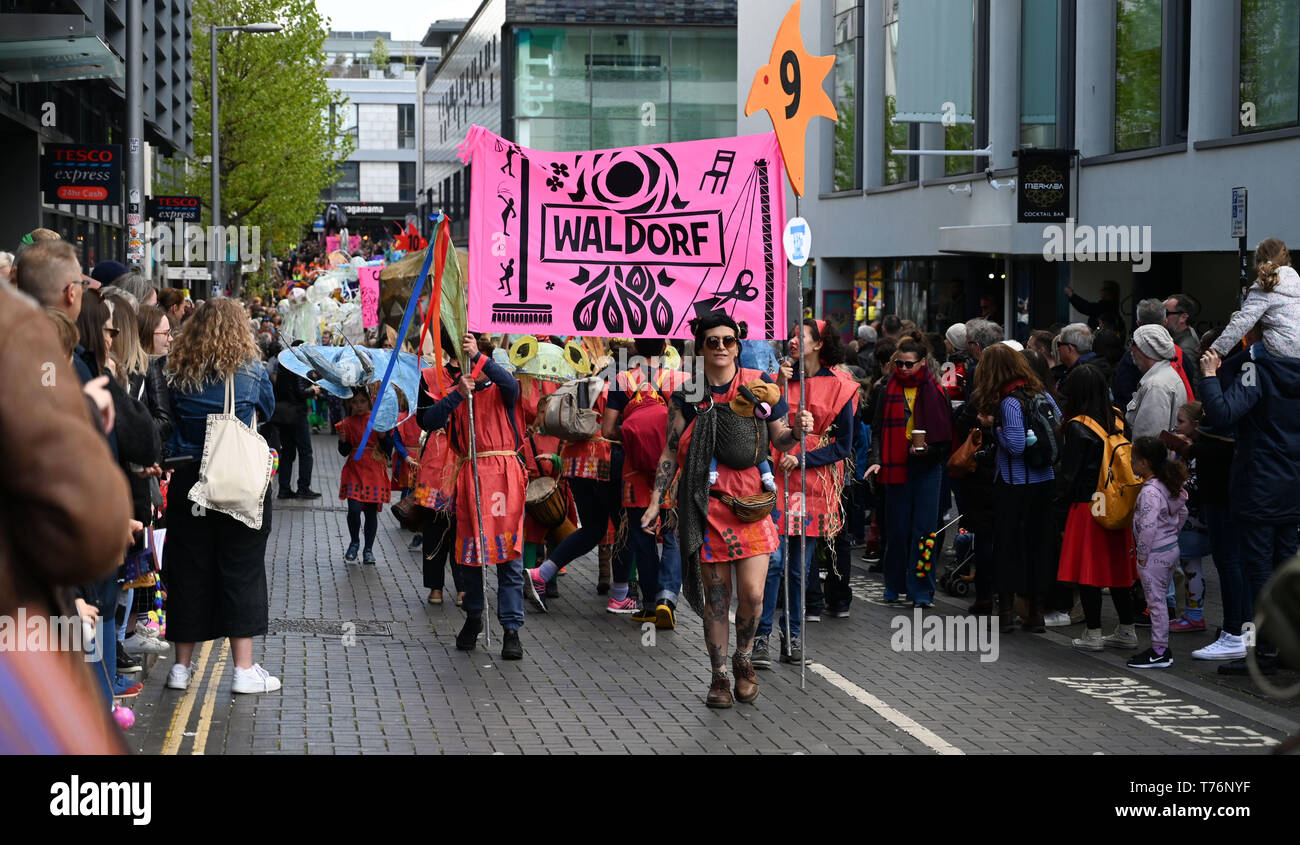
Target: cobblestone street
<point x="369" y="667"/>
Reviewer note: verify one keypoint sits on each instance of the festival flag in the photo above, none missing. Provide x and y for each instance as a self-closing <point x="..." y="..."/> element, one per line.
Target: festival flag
<point x="631" y="242"/>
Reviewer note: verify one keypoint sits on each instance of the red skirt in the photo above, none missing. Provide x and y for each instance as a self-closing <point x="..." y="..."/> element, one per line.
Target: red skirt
<point x="1092" y="555"/>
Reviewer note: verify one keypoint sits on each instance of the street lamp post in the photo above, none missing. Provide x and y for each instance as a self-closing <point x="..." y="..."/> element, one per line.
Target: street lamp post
<point x="219" y="263"/>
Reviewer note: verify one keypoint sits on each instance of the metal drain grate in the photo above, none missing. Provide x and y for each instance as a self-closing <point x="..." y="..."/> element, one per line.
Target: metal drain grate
<point x="325" y="627"/>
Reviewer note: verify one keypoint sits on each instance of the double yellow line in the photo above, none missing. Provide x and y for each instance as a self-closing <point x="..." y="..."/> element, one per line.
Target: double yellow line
<point x="181" y="717"/>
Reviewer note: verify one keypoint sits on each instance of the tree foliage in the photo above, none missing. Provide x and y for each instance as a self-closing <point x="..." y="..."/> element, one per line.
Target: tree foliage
<point x="278" y="149"/>
<point x="379" y="54"/>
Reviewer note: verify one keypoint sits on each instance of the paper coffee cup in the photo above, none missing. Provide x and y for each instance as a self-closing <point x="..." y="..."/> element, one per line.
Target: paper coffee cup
<point x="918" y="438"/>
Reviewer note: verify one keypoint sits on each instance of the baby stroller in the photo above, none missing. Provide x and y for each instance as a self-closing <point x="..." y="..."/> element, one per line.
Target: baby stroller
<point x="958" y="579"/>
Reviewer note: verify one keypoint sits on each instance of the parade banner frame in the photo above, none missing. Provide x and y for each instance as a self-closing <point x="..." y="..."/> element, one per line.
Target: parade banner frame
<point x="629" y="242"/>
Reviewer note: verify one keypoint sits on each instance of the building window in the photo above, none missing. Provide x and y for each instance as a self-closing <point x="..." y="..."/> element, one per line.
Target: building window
<point x="703" y="92"/>
<point x="1138" y="65"/>
<point x="406" y="181"/>
<point x="1269" y="70"/>
<point x="343" y="120"/>
<point x="1040" y="69"/>
<point x="848" y="51"/>
<point x="348" y="185"/>
<point x="406" y="126"/>
<point x="898" y="135"/>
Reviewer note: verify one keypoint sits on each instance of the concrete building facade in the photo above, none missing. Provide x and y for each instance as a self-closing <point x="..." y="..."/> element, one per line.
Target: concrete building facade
<point x="1169" y="104"/>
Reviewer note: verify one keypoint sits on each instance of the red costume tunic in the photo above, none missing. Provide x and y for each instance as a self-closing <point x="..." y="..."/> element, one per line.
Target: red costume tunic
<point x="502" y="483"/>
<point x="435" y="484"/>
<point x="538" y="452"/>
<point x="827" y="396"/>
<point x="726" y="538"/>
<point x="589" y="458"/>
<point x="364" y="480"/>
<point x="404" y="475"/>
<point x="638" y="486"/>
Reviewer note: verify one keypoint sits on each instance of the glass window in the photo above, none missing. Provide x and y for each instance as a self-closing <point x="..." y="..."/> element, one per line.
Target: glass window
<point x="703" y="75"/>
<point x="629" y="69"/>
<point x="898" y="135"/>
<point x="1138" y="43"/>
<point x="348" y="185"/>
<point x="848" y="48"/>
<point x="552" y="78"/>
<point x="1039" y="72"/>
<point x="406" y="181"/>
<point x="697" y="130"/>
<point x="607" y="134"/>
<point x="542" y="133"/>
<point x="406" y="126"/>
<point x="1270" y="64"/>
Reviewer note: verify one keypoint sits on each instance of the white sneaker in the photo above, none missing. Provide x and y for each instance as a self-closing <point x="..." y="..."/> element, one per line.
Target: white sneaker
<point x="254" y="679"/>
<point x="142" y="629"/>
<point x="179" y="676"/>
<point x="1056" y="619"/>
<point x="147" y="645"/>
<point x="1226" y="647"/>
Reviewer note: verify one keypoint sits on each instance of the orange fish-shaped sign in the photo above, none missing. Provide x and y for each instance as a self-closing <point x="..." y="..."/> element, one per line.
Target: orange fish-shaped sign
<point x="789" y="89"/>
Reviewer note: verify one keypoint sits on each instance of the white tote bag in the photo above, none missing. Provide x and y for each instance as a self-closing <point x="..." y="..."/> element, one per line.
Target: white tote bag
<point x="236" y="467"/>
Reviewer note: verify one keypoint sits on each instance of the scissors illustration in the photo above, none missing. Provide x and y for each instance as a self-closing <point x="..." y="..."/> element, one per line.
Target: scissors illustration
<point x="743" y="289"/>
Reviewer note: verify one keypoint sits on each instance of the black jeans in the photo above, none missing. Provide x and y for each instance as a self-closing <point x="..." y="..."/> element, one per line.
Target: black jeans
<point x="598" y="503"/>
<point x="439" y="532"/>
<point x="295" y="442"/>
<point x="1090" y="598"/>
<point x="838" y="594"/>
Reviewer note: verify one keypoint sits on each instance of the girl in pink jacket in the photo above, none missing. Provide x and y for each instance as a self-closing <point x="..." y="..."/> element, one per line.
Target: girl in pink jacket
<point x="1158" y="516"/>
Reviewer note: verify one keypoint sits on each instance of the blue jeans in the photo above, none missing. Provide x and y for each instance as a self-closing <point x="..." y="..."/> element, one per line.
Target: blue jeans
<point x="660" y="577"/>
<point x="1225" y="548"/>
<point x="772" y="589"/>
<point x="103" y="595"/>
<point x="911" y="512"/>
<point x="510" y="593"/>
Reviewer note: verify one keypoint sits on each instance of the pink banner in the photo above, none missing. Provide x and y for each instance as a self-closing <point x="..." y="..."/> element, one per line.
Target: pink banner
<point x="369" y="278"/>
<point x="331" y="243"/>
<point x="633" y="242"/>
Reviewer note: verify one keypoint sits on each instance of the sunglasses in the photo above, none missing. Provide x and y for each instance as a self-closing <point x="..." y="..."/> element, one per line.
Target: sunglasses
<point x="1172" y="313"/>
<point x="716" y="342"/>
<point x="906" y="365"/>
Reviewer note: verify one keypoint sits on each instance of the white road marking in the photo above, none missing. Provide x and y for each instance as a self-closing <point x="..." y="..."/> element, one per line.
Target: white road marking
<point x="914" y="729"/>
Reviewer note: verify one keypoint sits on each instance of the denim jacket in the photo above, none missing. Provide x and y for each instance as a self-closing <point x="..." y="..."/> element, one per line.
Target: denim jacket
<point x="252" y="391"/>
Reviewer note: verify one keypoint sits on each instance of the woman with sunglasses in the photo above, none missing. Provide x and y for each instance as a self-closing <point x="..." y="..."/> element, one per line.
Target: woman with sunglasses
<point x="712" y="535"/>
<point x="831" y="398"/>
<point x="914" y="421"/>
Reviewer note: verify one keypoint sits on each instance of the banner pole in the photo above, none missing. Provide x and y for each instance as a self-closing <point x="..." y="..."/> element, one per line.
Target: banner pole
<point x="803" y="490"/>
<point x="481" y="540"/>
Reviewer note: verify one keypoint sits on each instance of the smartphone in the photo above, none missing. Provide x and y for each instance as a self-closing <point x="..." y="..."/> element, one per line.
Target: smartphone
<point x="1171" y="440"/>
<point x="177" y="461"/>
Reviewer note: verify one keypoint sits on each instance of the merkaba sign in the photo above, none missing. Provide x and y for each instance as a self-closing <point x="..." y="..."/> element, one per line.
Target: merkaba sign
<point x="627" y="242"/>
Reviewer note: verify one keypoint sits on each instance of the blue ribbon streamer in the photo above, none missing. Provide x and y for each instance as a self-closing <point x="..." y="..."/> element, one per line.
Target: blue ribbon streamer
<point x="416" y="290"/>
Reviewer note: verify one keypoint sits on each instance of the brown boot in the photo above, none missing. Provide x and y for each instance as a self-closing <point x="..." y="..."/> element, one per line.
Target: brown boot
<point x="719" y="692"/>
<point x="604" y="554"/>
<point x="746" y="682"/>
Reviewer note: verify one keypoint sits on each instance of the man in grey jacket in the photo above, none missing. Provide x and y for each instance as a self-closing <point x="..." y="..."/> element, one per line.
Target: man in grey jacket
<point x="1178" y="321"/>
<point x="1160" y="393"/>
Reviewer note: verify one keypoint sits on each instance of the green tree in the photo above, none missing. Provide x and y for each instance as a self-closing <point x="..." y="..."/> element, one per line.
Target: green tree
<point x="379" y="54"/>
<point x="846" y="139"/>
<point x="278" y="149"/>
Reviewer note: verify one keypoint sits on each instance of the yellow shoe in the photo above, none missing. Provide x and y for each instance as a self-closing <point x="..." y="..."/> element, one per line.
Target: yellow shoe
<point x="665" y="616"/>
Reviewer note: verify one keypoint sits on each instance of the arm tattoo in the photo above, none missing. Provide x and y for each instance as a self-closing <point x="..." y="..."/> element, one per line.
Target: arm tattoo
<point x="668" y="461"/>
<point x="784" y="439"/>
